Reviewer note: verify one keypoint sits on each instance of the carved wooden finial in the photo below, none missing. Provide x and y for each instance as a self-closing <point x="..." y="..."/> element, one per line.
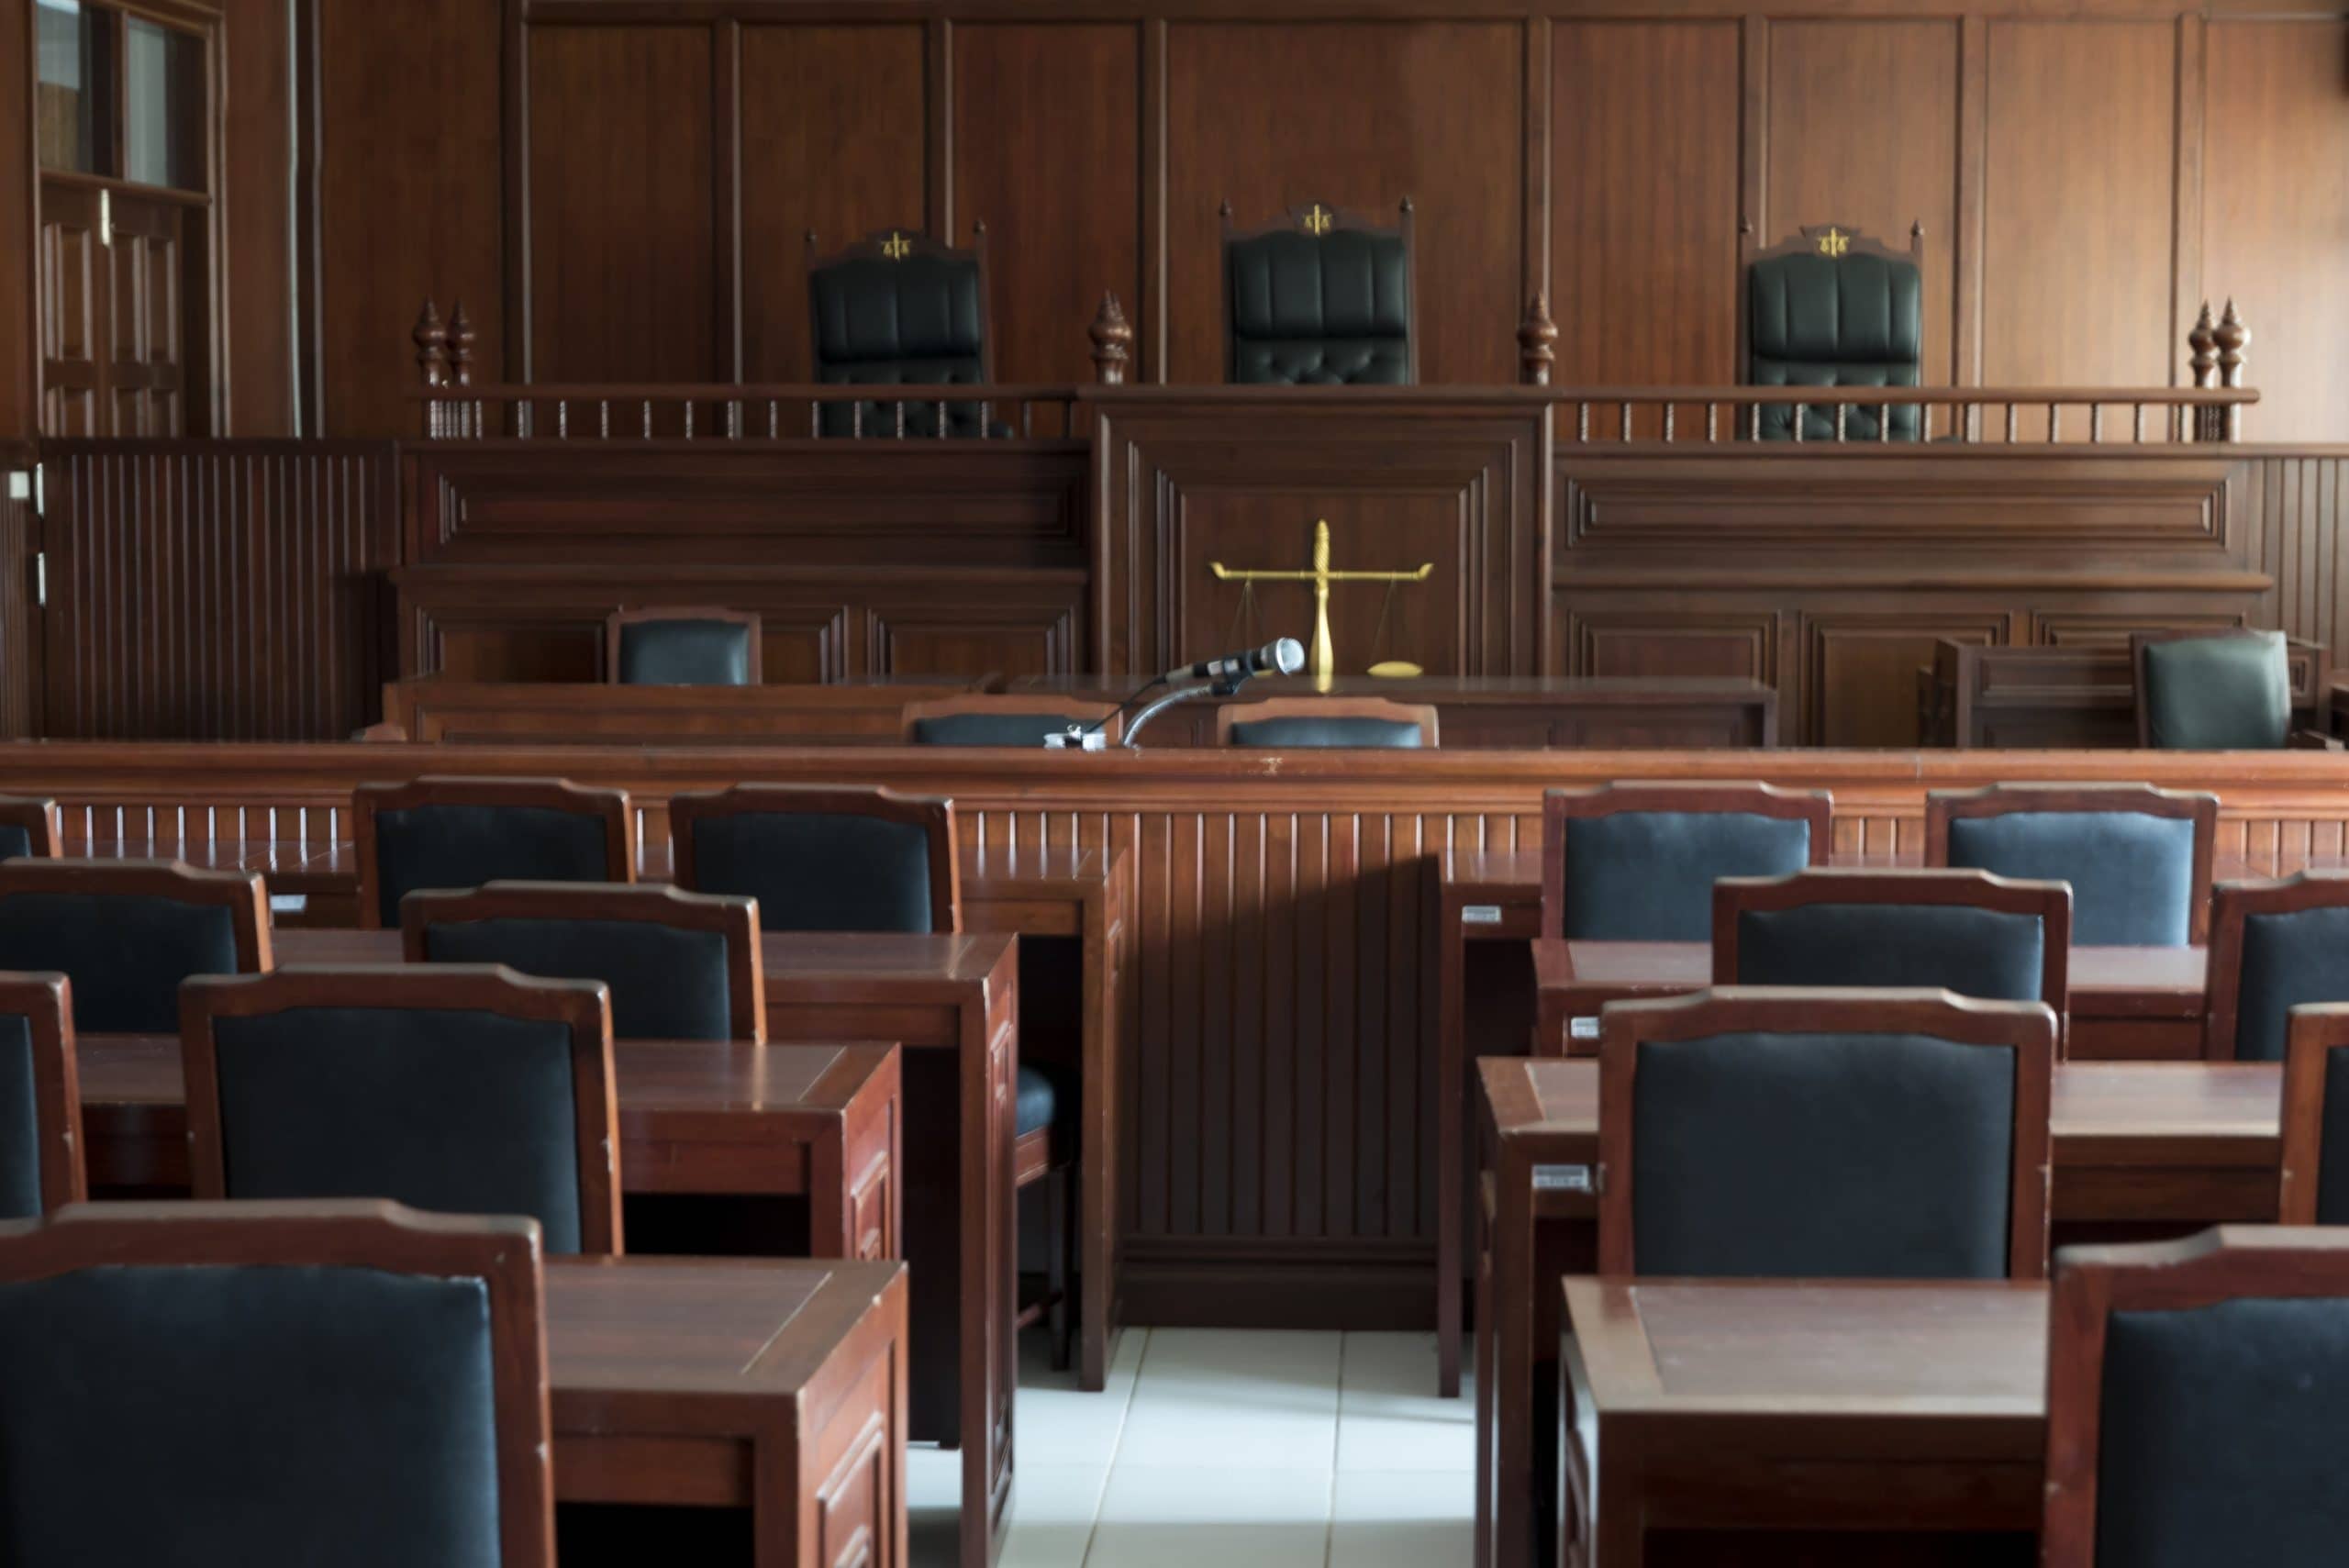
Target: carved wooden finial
<point x="1537" y="340"/>
<point x="2204" y="341"/>
<point x="460" y="347"/>
<point x="1113" y="339"/>
<point x="2232" y="338"/>
<point x="430" y="339"/>
<point x="1916" y="228"/>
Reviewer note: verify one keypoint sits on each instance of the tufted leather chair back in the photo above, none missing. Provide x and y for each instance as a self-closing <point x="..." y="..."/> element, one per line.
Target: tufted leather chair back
<point x="899" y="310"/>
<point x="1831" y="308"/>
<point x="1320" y="299"/>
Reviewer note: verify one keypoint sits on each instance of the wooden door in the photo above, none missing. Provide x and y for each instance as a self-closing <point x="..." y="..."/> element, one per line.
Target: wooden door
<point x="75" y="281"/>
<point x="116" y="280"/>
<point x="147" y="341"/>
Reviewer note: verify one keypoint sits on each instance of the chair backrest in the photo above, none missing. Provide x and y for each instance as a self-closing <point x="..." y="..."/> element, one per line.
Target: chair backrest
<point x="2196" y="1392"/>
<point x="29" y="827"/>
<point x="1832" y="308"/>
<point x="344" y="1382"/>
<point x="2314" y="1188"/>
<point x="680" y="965"/>
<point x="2138" y="857"/>
<point x="822" y="860"/>
<point x="899" y="309"/>
<point x="2274" y="946"/>
<point x="461" y="832"/>
<point x="460" y="1089"/>
<point x="1320" y="297"/>
<point x="41" y="1097"/>
<point x="1005" y="718"/>
<point x="1637" y="861"/>
<point x="1824" y="1134"/>
<point x="1315" y="723"/>
<point x="687" y="645"/>
<point x="128" y="932"/>
<point x="2212" y="691"/>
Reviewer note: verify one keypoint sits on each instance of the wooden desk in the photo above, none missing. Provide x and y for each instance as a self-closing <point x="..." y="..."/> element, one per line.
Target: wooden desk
<point x="952" y="1003"/>
<point x="2173" y="1145"/>
<point x="494" y="713"/>
<point x="777" y="1386"/>
<point x="1754" y="1406"/>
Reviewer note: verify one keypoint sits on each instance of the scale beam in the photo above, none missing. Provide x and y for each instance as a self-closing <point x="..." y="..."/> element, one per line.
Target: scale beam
<point x="1324" y="661"/>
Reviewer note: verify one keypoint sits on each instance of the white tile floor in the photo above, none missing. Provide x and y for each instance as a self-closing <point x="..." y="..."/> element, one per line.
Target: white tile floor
<point x="1231" y="1449"/>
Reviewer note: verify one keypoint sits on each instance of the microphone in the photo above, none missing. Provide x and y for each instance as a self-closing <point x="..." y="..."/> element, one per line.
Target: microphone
<point x="1283" y="656"/>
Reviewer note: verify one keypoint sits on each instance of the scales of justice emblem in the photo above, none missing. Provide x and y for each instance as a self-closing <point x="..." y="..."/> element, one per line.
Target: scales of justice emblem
<point x="1322" y="663"/>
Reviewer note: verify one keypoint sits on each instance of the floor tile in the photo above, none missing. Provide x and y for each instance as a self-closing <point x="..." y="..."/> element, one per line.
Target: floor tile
<point x="1055" y="1424"/>
<point x="1213" y="1400"/>
<point x="1402" y="1519"/>
<point x="1224" y="1518"/>
<point x="1053" y="1510"/>
<point x="1389" y="1418"/>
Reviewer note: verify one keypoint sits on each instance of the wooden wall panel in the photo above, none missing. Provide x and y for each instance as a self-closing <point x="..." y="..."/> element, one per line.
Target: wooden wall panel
<point x="407" y="200"/>
<point x="2298" y="508"/>
<point x="1046" y="150"/>
<point x="259" y="132"/>
<point x="1862" y="129"/>
<point x="19" y="615"/>
<point x="1270" y="116"/>
<point x="623" y="242"/>
<point x="1644" y="201"/>
<point x="833" y="140"/>
<point x="2275" y="213"/>
<point x="2079" y="192"/>
<point x="20" y="340"/>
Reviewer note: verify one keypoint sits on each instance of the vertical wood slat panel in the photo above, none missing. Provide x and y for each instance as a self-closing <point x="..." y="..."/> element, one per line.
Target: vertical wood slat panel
<point x="217" y="590"/>
<point x="2297" y="503"/>
<point x="18" y="617"/>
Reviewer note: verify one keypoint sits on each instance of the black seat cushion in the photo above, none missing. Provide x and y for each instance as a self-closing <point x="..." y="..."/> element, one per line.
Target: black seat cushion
<point x="2222" y="1435"/>
<point x="1649" y="875"/>
<point x="666" y="983"/>
<point x="1331" y="309"/>
<point x="1390" y="734"/>
<point x="464" y="1112"/>
<point x="1975" y="952"/>
<point x="126" y="955"/>
<point x="1823" y="1156"/>
<point x="819" y="871"/>
<point x="2132" y="874"/>
<point x="221" y="1418"/>
<point x="2220" y="694"/>
<point x="19" y="1121"/>
<point x="1048" y="1098"/>
<point x="684" y="653"/>
<point x="1854" y="320"/>
<point x="15" y="840"/>
<point x="464" y="846"/>
<point x="1026" y="730"/>
<point x="2287" y="959"/>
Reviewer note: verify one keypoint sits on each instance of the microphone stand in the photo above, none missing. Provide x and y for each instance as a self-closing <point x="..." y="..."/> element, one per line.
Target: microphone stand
<point x="1179" y="693"/>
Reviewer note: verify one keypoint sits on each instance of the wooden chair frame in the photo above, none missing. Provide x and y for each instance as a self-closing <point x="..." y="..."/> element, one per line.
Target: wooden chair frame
<point x="616" y="626"/>
<point x="611" y="806"/>
<point x="2231" y="902"/>
<point x="646" y="903"/>
<point x="583" y="1007"/>
<point x="1561" y="808"/>
<point x="37" y="818"/>
<point x="240" y="893"/>
<point x="2051" y="901"/>
<point x="1076" y="710"/>
<point x="2316" y="1030"/>
<point x="1386" y="708"/>
<point x="2294" y="739"/>
<point x="2093" y="1283"/>
<point x="502" y="1252"/>
<point x="917" y="242"/>
<point x="2029" y="1028"/>
<point x="1341" y="220"/>
<point x="933" y="814"/>
<point x="46" y="1003"/>
<point x="1944" y="807"/>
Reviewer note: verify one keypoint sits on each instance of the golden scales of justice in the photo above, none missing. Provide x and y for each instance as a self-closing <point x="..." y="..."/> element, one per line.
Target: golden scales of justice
<point x="1323" y="663"/>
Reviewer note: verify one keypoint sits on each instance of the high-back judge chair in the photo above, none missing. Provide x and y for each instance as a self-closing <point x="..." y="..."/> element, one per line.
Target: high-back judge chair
<point x="1824" y="1134"/>
<point x="1328" y="723"/>
<point x="461" y="832"/>
<point x="1637" y="861"/>
<point x="1831" y="308"/>
<point x="899" y="309"/>
<point x="2196" y="1392"/>
<point x="689" y="645"/>
<point x="2274" y="946"/>
<point x="128" y="932"/>
<point x="1320" y="297"/>
<point x="2212" y="691"/>
<point x="29" y="827"/>
<point x="2137" y="858"/>
<point x="40" y="1098"/>
<point x="344" y="1382"/>
<point x="460" y="1089"/>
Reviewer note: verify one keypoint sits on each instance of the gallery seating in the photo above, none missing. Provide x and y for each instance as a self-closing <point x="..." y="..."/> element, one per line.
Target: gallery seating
<point x="128" y="932"/>
<point x="2274" y="946"/>
<point x="40" y="1098"/>
<point x="461" y="832"/>
<point x="1637" y="861"/>
<point x="29" y="827"/>
<point x="2138" y="859"/>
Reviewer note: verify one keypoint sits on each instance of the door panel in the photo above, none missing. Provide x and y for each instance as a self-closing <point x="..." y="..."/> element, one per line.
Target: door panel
<point x="73" y="286"/>
<point x="147" y="370"/>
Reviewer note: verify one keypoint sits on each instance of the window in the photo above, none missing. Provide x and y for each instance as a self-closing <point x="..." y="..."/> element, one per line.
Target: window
<point x="121" y="96"/>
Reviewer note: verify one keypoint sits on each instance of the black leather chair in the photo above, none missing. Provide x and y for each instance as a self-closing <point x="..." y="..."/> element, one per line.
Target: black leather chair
<point x="1834" y="308"/>
<point x="1319" y="298"/>
<point x="2197" y="1394"/>
<point x="2138" y="859"/>
<point x="462" y="1089"/>
<point x="1305" y="724"/>
<point x="128" y="932"/>
<point x="687" y="645"/>
<point x="1637" y="861"/>
<point x="29" y="827"/>
<point x="2274" y="946"/>
<point x="680" y="965"/>
<point x="461" y="832"/>
<point x="1020" y="719"/>
<point x="2222" y="691"/>
<point x="41" y="1100"/>
<point x="211" y="1383"/>
<point x="1824" y="1134"/>
<point x="899" y="309"/>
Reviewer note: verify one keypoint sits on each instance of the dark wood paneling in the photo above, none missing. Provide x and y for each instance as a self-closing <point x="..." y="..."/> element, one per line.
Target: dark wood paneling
<point x="1046" y="139"/>
<point x="19" y="338"/>
<point x="623" y="244"/>
<point x="833" y="142"/>
<point x="19" y="615"/>
<point x="2298" y="508"/>
<point x="1269" y="116"/>
<point x="1862" y="130"/>
<point x="223" y="590"/>
<point x="258" y="111"/>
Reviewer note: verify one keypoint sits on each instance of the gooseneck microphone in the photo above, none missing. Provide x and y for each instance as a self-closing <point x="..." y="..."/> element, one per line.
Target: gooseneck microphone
<point x="1282" y="656"/>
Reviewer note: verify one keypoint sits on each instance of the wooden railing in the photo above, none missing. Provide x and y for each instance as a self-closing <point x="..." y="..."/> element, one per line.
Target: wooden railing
<point x="2004" y="415"/>
<point x="733" y="412"/>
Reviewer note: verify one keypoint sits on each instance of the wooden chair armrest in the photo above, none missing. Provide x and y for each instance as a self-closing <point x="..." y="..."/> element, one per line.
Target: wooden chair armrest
<point x="2314" y="741"/>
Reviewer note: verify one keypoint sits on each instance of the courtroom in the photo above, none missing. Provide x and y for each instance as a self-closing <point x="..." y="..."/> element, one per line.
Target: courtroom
<point x="1174" y="783"/>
